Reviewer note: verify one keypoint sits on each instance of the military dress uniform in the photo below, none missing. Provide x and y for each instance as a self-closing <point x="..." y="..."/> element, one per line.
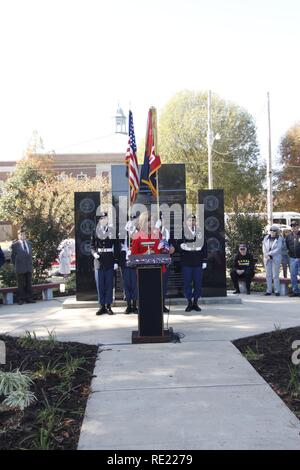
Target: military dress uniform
<point x="167" y="245"/>
<point x="104" y="248"/>
<point x="129" y="278"/>
<point x="193" y="252"/>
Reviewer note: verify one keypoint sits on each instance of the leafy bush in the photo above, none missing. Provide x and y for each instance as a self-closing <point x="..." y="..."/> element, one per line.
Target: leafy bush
<point x="44" y="206"/>
<point x="71" y="283"/>
<point x="248" y="228"/>
<point x="30" y="341"/>
<point x="7" y="276"/>
<point x="15" y="387"/>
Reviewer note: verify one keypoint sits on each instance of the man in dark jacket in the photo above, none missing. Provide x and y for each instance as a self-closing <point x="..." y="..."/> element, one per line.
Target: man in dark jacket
<point x="293" y="245"/>
<point x="2" y="257"/>
<point x="243" y="268"/>
<point x="193" y="251"/>
<point x="21" y="257"/>
<point x="104" y="248"/>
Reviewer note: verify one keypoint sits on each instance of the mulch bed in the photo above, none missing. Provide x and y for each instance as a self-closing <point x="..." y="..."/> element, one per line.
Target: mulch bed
<point x="62" y="396"/>
<point x="271" y="355"/>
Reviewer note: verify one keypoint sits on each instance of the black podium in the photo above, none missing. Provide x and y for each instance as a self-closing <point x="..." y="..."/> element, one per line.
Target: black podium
<point x="150" y="298"/>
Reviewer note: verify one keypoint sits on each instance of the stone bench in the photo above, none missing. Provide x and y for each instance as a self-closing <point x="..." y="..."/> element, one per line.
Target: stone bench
<point x="47" y="292"/>
<point x="284" y="284"/>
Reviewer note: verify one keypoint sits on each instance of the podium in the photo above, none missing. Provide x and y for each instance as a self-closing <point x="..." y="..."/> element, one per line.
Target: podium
<point x="150" y="298"/>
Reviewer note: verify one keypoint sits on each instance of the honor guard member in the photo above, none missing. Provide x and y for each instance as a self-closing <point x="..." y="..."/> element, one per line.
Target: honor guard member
<point x="166" y="247"/>
<point x="193" y="260"/>
<point x="104" y="248"/>
<point x="128" y="273"/>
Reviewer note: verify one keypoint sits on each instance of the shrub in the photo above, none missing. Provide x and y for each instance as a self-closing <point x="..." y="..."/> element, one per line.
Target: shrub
<point x="71" y="283"/>
<point x="248" y="228"/>
<point x="7" y="276"/>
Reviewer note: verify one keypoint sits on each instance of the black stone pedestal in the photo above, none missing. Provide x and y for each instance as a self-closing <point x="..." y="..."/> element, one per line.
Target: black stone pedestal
<point x="165" y="338"/>
<point x="214" y="277"/>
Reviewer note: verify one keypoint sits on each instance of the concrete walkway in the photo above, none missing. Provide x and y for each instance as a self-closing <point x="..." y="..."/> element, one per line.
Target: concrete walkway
<point x="197" y="394"/>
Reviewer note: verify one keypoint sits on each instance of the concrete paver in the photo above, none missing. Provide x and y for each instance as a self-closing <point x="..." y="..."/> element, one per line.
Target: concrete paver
<point x="214" y="418"/>
<point x="172" y="365"/>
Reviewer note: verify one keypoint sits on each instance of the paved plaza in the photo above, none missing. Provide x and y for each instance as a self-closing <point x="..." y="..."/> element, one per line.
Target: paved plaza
<point x="197" y="394"/>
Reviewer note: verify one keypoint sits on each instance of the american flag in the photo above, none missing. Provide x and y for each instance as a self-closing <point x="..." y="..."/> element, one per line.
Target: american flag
<point x="132" y="170"/>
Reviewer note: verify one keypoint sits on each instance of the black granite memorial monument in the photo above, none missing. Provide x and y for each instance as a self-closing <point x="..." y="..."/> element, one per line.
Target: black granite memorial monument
<point x="171" y="191"/>
<point x="214" y="276"/>
<point x="86" y="204"/>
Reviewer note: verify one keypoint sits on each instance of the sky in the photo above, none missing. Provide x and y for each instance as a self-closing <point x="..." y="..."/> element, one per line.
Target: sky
<point x="66" y="64"/>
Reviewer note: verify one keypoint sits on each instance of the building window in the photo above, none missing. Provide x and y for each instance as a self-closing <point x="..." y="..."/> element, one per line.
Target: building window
<point x="61" y="177"/>
<point x="81" y="176"/>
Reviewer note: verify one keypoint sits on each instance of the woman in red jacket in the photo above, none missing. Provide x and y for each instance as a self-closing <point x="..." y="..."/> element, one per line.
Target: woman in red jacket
<point x="147" y="234"/>
<point x="148" y="240"/>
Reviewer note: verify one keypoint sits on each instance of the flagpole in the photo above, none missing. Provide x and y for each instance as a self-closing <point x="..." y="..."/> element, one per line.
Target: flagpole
<point x="155" y="141"/>
<point x="157" y="196"/>
<point x="129" y="212"/>
<point x="132" y="172"/>
<point x="129" y="198"/>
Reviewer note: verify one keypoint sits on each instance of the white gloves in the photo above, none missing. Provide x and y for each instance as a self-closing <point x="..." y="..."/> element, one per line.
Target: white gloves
<point x="184" y="247"/>
<point x="96" y="256"/>
<point x="204" y="265"/>
<point x="116" y="266"/>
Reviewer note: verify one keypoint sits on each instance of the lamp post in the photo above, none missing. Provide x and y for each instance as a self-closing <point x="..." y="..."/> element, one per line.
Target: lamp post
<point x="210" y="141"/>
<point x="269" y="172"/>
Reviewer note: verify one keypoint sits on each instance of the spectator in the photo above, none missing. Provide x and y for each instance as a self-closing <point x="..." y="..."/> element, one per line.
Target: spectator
<point x="21" y="256"/>
<point x="293" y="246"/>
<point x="243" y="268"/>
<point x="2" y="257"/>
<point x="65" y="258"/>
<point x="284" y="254"/>
<point x="272" y="247"/>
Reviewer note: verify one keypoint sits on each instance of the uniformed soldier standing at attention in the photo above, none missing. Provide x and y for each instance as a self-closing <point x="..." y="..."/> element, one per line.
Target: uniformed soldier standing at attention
<point x="128" y="273"/>
<point x="167" y="247"/>
<point x="193" y="260"/>
<point x="104" y="248"/>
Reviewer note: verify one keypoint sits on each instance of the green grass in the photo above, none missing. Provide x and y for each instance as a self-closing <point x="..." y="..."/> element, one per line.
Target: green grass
<point x="252" y="355"/>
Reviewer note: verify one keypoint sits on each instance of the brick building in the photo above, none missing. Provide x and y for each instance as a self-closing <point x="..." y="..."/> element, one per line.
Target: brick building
<point x="92" y="159"/>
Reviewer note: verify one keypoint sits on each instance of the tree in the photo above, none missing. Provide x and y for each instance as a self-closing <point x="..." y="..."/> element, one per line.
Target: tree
<point x="30" y="171"/>
<point x="183" y="138"/>
<point x="37" y="200"/>
<point x="288" y="179"/>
